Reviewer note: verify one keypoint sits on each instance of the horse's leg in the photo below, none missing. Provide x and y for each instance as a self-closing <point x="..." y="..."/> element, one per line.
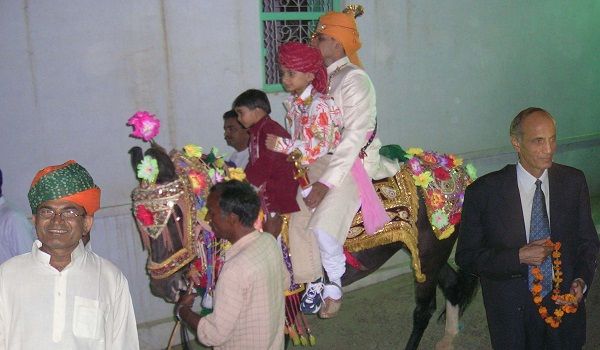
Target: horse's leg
<point x="433" y="254"/>
<point x="424" y="309"/>
<point x="447" y="281"/>
<point x="459" y="288"/>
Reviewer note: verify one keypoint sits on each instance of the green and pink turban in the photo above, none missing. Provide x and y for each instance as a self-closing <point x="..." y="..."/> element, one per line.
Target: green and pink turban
<point x="69" y="181"/>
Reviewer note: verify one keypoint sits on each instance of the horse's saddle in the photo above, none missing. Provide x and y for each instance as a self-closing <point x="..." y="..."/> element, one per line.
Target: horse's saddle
<point x="442" y="181"/>
<point x="399" y="196"/>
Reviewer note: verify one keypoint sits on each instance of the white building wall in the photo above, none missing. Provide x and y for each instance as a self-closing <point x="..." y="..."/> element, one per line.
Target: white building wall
<point x="450" y="75"/>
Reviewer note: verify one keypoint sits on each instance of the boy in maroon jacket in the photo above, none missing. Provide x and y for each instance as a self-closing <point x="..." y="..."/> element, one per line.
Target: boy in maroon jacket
<point x="268" y="170"/>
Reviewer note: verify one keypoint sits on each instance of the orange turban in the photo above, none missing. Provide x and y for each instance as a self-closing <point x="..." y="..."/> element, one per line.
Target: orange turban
<point x="342" y="27"/>
<point x="69" y="181"/>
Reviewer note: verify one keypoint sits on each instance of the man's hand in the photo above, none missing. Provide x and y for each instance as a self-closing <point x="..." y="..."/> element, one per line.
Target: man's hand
<point x="271" y="142"/>
<point x="184" y="313"/>
<point x="576" y="293"/>
<point x="535" y="252"/>
<point x="316" y="195"/>
<point x="186" y="300"/>
<point x="577" y="288"/>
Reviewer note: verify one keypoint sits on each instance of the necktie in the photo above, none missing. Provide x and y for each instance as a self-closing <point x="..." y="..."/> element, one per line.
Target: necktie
<point x="540" y="229"/>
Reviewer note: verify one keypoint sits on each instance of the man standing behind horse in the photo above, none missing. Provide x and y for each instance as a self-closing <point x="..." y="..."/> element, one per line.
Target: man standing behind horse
<point x="527" y="231"/>
<point x="236" y="137"/>
<point x="248" y="308"/>
<point x="62" y="295"/>
<point x="345" y="184"/>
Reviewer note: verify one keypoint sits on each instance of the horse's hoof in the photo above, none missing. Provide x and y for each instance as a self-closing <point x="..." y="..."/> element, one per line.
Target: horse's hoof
<point x="446" y="343"/>
<point x="330" y="308"/>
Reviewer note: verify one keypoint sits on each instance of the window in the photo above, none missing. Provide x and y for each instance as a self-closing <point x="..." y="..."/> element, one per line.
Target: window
<point x="283" y="21"/>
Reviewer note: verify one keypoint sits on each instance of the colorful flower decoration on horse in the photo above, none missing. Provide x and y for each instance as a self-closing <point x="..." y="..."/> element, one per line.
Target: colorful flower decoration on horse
<point x="423" y="179"/>
<point x="441" y="173"/>
<point x="435" y="198"/>
<point x="147" y="169"/>
<point x="471" y="171"/>
<point x="414" y="151"/>
<point x="441" y="177"/>
<point x="145" y="126"/>
<point x="439" y="219"/>
<point x="192" y="150"/>
<point x="144" y="215"/>
<point x="198" y="181"/>
<point x="415" y="166"/>
<point x="237" y="174"/>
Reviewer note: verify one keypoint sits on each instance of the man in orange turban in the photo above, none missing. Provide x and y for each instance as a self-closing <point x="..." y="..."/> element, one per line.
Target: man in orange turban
<point x="69" y="296"/>
<point x="341" y="26"/>
<point x="345" y="185"/>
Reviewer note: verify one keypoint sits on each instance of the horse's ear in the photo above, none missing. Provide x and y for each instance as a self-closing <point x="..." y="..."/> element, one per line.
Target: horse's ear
<point x="166" y="168"/>
<point x="136" y="157"/>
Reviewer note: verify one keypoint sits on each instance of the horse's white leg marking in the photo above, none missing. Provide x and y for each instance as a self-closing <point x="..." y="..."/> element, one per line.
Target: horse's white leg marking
<point x="451" y="318"/>
<point x="451" y="328"/>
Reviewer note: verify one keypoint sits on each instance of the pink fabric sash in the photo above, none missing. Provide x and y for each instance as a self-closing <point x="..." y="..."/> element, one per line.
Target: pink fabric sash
<point x="373" y="212"/>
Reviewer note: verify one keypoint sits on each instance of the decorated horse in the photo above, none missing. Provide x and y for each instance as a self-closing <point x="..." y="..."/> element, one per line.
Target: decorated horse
<point x="423" y="200"/>
<point x="169" y="209"/>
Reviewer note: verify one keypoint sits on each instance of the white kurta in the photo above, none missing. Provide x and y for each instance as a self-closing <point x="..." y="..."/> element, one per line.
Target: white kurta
<point x="354" y="94"/>
<point x="87" y="305"/>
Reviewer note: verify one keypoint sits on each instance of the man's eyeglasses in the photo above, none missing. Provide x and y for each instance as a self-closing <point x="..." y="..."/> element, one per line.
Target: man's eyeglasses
<point x="48" y="213"/>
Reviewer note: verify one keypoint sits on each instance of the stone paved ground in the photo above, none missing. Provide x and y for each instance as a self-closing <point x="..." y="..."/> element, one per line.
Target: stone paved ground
<point x="380" y="317"/>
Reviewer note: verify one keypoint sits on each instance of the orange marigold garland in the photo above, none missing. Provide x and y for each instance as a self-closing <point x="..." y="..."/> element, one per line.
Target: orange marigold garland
<point x="554" y="319"/>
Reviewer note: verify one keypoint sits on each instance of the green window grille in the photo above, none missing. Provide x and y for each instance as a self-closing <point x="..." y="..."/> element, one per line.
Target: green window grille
<point x="283" y="21"/>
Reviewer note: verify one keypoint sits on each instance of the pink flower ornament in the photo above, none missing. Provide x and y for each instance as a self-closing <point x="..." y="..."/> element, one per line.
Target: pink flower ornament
<point x="145" y="125"/>
<point x="415" y="166"/>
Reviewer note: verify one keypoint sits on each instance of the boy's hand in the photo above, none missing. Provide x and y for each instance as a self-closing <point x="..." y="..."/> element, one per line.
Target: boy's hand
<point x="316" y="195"/>
<point x="273" y="225"/>
<point x="271" y="141"/>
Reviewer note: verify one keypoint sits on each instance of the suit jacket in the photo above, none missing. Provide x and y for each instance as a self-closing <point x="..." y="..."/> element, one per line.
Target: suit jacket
<point x="492" y="231"/>
<point x="354" y="94"/>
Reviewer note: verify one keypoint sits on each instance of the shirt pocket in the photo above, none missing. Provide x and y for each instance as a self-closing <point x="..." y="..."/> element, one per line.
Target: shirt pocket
<point x="88" y="319"/>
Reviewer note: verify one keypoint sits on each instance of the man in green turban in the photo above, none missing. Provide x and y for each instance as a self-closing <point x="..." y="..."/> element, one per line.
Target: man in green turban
<point x="61" y="295"/>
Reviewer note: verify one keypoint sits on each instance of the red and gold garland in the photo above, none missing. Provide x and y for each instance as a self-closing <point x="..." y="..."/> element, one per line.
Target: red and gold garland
<point x="555" y="318"/>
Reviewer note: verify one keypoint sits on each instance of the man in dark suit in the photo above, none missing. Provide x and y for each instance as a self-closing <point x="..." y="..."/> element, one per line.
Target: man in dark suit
<point x="495" y="241"/>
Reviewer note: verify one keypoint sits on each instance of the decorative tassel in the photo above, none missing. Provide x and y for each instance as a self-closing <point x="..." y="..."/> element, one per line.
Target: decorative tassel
<point x="355" y="10"/>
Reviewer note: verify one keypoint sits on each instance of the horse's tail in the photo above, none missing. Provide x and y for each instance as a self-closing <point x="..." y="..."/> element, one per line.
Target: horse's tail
<point x="460" y="288"/>
<point x="468" y="285"/>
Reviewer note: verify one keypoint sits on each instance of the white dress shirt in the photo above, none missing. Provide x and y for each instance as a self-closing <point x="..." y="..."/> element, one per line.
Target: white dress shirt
<point x="87" y="305"/>
<point x="240" y="159"/>
<point x="526" y="183"/>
